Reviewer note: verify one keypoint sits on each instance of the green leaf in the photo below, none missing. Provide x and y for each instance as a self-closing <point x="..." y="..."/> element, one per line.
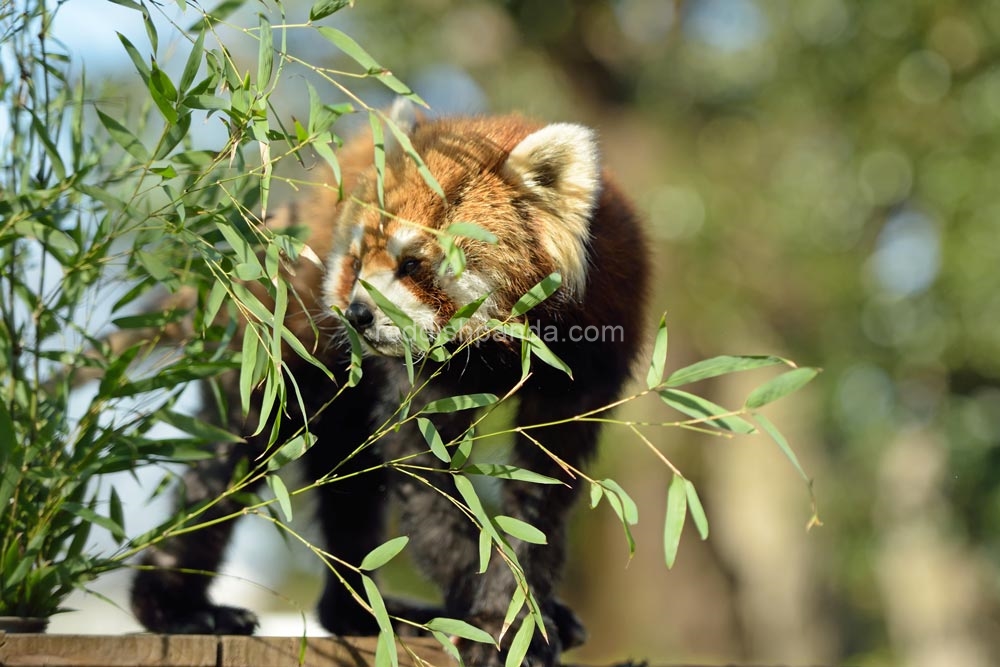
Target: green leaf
<point x="164" y="95"/>
<point x="696" y="510"/>
<point x="137" y="60"/>
<point x="265" y="53"/>
<point x="433" y="439"/>
<point x="624" y="507"/>
<point x="540" y="350"/>
<point x="464" y="450"/>
<point x="422" y="169"/>
<point x="196" y="427"/>
<point x="674" y="523"/>
<point x="503" y="471"/>
<point x="537" y="294"/>
<point x="517" y="601"/>
<point x="248" y="366"/>
<point x="51" y="151"/>
<point x="596" y="493"/>
<point x="115" y="512"/>
<point x="385" y="651"/>
<point x="782" y="443"/>
<point x="7" y="439"/>
<point x="379" y="142"/>
<point x="520" y="529"/>
<point x="780" y="386"/>
<point x="721" y="365"/>
<point x="281" y="493"/>
<point x="220" y="12"/>
<point x="384" y="553"/>
<point x="391" y="310"/>
<point x="471" y="230"/>
<point x="655" y="375"/>
<point x="381" y="618"/>
<point x="292" y="450"/>
<point x="457" y="403"/>
<point x="363" y="58"/>
<point x="124" y="138"/>
<point x="705" y="411"/>
<point x="522" y="640"/>
<point x="51" y="237"/>
<point x="193" y="62"/>
<point x="324" y="8"/>
<point x="87" y="514"/>
<point x="458" y="628"/>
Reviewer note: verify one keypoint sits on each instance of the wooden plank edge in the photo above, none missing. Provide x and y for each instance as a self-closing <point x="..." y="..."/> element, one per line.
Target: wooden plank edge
<point x="151" y="650"/>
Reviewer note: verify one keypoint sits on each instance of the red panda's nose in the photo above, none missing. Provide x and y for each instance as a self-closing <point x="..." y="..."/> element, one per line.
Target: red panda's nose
<point x="359" y="315"/>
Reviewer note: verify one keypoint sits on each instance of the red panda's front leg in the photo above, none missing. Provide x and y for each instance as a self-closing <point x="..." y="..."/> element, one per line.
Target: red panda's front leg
<point x="545" y="507"/>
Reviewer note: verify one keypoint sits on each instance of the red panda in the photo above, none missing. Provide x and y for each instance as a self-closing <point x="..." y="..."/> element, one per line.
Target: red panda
<point x="541" y="191"/>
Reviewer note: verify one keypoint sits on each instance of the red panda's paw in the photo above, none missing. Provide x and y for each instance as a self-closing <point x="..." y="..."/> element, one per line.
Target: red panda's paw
<point x="173" y="604"/>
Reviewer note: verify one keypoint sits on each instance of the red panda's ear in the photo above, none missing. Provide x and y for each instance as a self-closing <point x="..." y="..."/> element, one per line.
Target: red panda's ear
<point x="560" y="165"/>
<point x="404" y="114"/>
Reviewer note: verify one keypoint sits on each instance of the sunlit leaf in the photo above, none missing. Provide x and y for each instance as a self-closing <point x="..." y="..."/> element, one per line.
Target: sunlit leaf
<point x="721" y="365"/>
<point x="659" y="361"/>
<point x="281" y="493"/>
<point x="522" y="640"/>
<point x="537" y="294"/>
<point x="696" y="510"/>
<point x="323" y="8"/>
<point x="384" y="553"/>
<point x="459" y="628"/>
<point x="705" y="411"/>
<point x="781" y="386"/>
<point x="520" y="529"/>
<point x="433" y="439"/>
<point x="674" y="523"/>
<point x="458" y="403"/>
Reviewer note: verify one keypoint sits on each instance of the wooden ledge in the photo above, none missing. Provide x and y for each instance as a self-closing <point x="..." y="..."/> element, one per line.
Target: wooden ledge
<point x="147" y="650"/>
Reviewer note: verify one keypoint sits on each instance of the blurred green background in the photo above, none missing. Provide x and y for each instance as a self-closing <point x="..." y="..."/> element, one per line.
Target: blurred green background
<point x="821" y="180"/>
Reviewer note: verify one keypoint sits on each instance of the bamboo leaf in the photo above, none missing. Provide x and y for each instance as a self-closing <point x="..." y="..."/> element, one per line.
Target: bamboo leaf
<point x="705" y="411"/>
<point x="721" y="365"/>
<point x="281" y="493"/>
<point x="659" y="361"/>
<point x="323" y="8"/>
<point x="781" y="386"/>
<point x="537" y="294"/>
<point x="522" y="640"/>
<point x="520" y="529"/>
<point x="458" y="403"/>
<point x="459" y="628"/>
<point x="422" y="169"/>
<point x="265" y="53"/>
<point x="504" y="471"/>
<point x="124" y="138"/>
<point x="674" y="522"/>
<point x="696" y="510"/>
<point x="433" y="439"/>
<point x="384" y="553"/>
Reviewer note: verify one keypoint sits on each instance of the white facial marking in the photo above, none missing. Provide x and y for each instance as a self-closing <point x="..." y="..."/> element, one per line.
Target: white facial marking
<point x="384" y="335"/>
<point x="403" y="238"/>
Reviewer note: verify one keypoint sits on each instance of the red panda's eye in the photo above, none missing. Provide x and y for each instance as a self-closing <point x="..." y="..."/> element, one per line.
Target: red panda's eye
<point x="408" y="267"/>
<point x="356" y="266"/>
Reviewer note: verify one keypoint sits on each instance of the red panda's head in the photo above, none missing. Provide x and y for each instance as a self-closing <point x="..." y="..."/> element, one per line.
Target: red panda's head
<point x="533" y="187"/>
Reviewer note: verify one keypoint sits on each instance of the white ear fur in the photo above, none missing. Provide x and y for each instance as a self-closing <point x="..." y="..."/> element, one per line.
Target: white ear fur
<point x="403" y="114"/>
<point x="560" y="165"/>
